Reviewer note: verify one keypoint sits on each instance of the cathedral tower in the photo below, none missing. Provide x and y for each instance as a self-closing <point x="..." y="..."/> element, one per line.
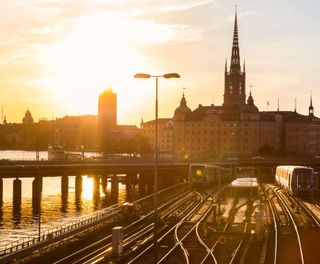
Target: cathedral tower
<point x="235" y="79"/>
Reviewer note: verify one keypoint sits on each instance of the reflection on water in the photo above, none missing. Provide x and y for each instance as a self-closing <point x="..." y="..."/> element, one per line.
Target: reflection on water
<point x="18" y="220"/>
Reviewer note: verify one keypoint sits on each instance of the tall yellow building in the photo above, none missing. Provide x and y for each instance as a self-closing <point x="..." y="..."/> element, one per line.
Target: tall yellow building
<point x="237" y="128"/>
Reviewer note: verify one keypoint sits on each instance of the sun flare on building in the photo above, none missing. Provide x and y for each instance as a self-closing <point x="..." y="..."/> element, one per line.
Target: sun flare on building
<point x="91" y="58"/>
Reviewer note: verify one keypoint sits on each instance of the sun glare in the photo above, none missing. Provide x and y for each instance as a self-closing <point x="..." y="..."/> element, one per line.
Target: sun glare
<point x="89" y="60"/>
<point x="87" y="188"/>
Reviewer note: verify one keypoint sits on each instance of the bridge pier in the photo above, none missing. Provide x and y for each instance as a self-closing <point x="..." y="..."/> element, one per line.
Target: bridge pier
<point x="64" y="186"/>
<point x="96" y="185"/>
<point x="96" y="191"/>
<point x="17" y="192"/>
<point x="1" y="192"/>
<point x="78" y="192"/>
<point x="104" y="182"/>
<point x="78" y="185"/>
<point x="114" y="188"/>
<point x="130" y="186"/>
<point x="36" y="191"/>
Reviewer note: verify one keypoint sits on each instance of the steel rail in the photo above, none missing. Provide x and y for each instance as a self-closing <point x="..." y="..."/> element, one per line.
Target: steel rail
<point x="103" y="240"/>
<point x="232" y="213"/>
<point x="275" y="225"/>
<point x="210" y="250"/>
<point x="195" y="227"/>
<point x="130" y="239"/>
<point x="179" y="241"/>
<point x="25" y="246"/>
<point x="167" y="233"/>
<point x="281" y="200"/>
<point x="307" y="210"/>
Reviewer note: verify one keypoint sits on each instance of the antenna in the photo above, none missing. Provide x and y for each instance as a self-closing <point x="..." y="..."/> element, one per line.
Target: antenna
<point x="2" y="114"/>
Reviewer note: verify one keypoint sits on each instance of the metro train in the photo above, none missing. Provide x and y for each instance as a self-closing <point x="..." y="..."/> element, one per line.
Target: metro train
<point x="206" y="174"/>
<point x="296" y="179"/>
<point x="245" y="186"/>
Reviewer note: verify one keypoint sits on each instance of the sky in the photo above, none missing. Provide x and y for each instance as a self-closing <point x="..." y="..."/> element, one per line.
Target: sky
<point x="57" y="56"/>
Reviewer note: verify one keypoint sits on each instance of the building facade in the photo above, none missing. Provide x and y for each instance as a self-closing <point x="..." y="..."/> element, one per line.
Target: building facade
<point x="107" y="110"/>
<point x="237" y="128"/>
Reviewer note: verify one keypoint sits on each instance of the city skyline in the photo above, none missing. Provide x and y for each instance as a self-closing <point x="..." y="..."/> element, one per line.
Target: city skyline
<point x="48" y="49"/>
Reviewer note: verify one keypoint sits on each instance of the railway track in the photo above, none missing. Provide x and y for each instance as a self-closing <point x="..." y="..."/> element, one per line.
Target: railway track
<point x="225" y="245"/>
<point x="170" y="244"/>
<point x="192" y="245"/>
<point x="296" y="227"/>
<point x="102" y="249"/>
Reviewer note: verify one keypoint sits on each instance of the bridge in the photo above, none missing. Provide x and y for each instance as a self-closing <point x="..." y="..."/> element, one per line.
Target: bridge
<point x="132" y="171"/>
<point x="170" y="174"/>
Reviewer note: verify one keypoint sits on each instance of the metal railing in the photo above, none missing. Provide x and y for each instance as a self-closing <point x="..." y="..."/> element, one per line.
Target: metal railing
<point x="55" y="234"/>
<point x="57" y="231"/>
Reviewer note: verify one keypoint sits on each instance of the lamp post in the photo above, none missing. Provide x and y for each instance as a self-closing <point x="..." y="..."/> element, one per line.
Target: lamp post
<point x="38" y="139"/>
<point x="156" y="152"/>
<point x="39" y="186"/>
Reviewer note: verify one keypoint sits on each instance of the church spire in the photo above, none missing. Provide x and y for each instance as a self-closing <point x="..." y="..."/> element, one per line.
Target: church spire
<point x="311" y="106"/>
<point x="183" y="99"/>
<point x="235" y="79"/>
<point x="235" y="55"/>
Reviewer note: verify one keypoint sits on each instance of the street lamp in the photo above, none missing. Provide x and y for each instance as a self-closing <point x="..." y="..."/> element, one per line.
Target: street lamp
<point x="38" y="139"/>
<point x="39" y="186"/>
<point x="156" y="152"/>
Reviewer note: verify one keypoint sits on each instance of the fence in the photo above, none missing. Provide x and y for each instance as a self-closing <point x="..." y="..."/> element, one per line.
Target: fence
<point x="55" y="234"/>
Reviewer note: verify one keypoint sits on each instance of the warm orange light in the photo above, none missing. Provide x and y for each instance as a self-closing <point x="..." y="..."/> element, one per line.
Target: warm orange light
<point x="87" y="188"/>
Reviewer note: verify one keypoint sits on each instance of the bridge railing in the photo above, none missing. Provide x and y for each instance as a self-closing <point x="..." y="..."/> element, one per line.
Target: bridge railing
<point x="59" y="230"/>
<point x="53" y="234"/>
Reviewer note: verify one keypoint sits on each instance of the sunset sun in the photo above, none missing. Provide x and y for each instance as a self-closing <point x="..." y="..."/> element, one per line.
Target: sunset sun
<point x="84" y="63"/>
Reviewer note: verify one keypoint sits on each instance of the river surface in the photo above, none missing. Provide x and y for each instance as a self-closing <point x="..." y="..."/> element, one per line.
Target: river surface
<point x="17" y="223"/>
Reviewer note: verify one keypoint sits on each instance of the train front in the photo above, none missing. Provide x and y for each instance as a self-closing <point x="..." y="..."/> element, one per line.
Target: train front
<point x="197" y="175"/>
<point x="302" y="180"/>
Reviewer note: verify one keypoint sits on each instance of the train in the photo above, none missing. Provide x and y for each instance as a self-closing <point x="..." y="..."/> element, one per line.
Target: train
<point x="296" y="179"/>
<point x="207" y="174"/>
<point x="245" y="186"/>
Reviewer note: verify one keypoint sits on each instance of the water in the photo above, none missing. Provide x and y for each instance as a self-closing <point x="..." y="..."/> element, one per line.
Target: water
<point x="17" y="223"/>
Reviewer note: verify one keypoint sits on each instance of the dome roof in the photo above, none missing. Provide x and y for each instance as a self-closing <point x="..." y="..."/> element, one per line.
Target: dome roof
<point x="182" y="109"/>
<point x="27" y="118"/>
<point x="250" y="107"/>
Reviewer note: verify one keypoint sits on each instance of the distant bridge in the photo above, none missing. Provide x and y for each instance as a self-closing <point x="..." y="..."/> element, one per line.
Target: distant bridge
<point x="23" y="169"/>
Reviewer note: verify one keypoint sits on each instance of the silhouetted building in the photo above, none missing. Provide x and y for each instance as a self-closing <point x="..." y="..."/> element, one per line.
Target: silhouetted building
<point x="165" y="136"/>
<point x="237" y="128"/>
<point x="90" y="132"/>
<point x="107" y="110"/>
<point x="75" y="131"/>
<point x="27" y="119"/>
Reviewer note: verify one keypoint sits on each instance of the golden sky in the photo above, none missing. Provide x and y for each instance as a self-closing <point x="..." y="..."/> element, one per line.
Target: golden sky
<point x="57" y="56"/>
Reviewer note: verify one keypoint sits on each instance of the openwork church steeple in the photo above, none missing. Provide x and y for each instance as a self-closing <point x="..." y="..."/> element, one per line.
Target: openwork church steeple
<point x="235" y="90"/>
<point x="235" y="54"/>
